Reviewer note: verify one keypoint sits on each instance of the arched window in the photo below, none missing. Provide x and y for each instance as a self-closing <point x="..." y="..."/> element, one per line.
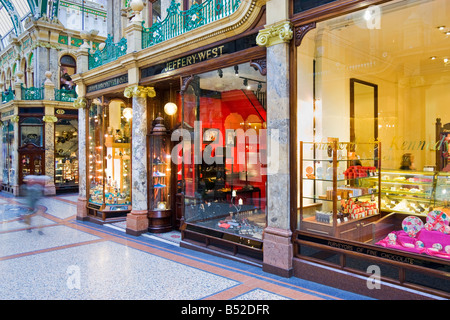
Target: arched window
<point x="68" y="68"/>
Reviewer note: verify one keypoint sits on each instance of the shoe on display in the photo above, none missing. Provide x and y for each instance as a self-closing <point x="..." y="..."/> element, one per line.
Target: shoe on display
<point x="158" y="174"/>
<point x="159" y="185"/>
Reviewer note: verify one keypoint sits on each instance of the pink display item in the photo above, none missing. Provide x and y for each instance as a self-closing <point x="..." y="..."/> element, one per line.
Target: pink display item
<point x="439" y="221"/>
<point x="412" y="225"/>
<point x="432" y="243"/>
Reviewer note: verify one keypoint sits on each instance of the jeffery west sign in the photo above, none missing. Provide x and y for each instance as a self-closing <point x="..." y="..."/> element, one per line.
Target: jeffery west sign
<point x="200" y="56"/>
<point x="194" y="58"/>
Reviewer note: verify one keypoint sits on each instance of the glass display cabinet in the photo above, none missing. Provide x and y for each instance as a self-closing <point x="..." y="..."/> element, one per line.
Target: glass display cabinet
<point x="109" y="156"/>
<point x="160" y="187"/>
<point x="413" y="192"/>
<point x="66" y="154"/>
<point x="333" y="199"/>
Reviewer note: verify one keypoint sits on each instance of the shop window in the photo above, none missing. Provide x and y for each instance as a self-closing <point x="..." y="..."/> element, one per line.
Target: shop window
<point x="109" y="153"/>
<point x="7" y="152"/>
<point x="66" y="153"/>
<point x="224" y="160"/>
<point x="376" y="89"/>
<point x="31" y="132"/>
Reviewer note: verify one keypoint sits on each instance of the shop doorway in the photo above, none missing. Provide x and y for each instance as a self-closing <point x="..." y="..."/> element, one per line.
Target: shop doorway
<point x="31" y="162"/>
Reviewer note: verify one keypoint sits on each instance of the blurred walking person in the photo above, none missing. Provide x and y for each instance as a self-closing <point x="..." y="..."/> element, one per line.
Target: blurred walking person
<point x="33" y="190"/>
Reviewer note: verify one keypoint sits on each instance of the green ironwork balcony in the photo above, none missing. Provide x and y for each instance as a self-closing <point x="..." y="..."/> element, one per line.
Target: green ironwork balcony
<point x="110" y="52"/>
<point x="178" y="22"/>
<point x="7" y="96"/>
<point x="65" y="95"/>
<point x="32" y="93"/>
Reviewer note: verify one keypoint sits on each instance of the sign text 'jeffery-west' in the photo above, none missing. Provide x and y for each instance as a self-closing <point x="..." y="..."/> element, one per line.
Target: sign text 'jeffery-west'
<point x="194" y="58"/>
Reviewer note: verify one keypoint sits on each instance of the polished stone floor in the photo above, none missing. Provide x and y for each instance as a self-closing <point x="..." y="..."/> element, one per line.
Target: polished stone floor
<point x="57" y="257"/>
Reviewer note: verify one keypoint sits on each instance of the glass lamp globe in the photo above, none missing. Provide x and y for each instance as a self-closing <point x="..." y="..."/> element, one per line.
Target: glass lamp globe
<point x="170" y="108"/>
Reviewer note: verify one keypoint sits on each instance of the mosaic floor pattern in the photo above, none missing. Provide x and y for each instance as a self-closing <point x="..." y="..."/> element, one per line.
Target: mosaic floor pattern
<point x="75" y="260"/>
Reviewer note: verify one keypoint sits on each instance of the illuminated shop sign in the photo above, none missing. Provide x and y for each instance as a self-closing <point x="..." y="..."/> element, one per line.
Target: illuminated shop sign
<point x="201" y="56"/>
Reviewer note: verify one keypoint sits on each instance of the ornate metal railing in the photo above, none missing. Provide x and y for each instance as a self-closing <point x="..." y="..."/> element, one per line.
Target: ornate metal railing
<point x="7" y="96"/>
<point x="178" y="22"/>
<point x="65" y="95"/>
<point x="32" y="93"/>
<point x="109" y="53"/>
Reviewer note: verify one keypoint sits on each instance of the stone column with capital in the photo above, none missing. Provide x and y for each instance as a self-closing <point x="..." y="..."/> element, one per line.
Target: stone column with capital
<point x="137" y="220"/>
<point x="81" y="103"/>
<point x="49" y="162"/>
<point x="278" y="249"/>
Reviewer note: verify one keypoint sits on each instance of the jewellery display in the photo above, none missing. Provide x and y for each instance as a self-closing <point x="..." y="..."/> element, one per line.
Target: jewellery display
<point x="109" y="152"/>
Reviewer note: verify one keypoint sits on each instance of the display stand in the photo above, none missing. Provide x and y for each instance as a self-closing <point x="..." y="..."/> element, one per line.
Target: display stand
<point x="333" y="199"/>
<point x="160" y="192"/>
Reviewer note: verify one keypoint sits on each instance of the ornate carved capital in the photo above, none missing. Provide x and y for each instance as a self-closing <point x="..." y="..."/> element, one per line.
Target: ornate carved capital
<point x="80" y="103"/>
<point x="15" y="119"/>
<point x="139" y="91"/>
<point x="49" y="119"/>
<point x="280" y="32"/>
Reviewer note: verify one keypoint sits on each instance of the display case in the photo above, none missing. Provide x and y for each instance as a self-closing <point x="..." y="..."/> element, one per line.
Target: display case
<point x="334" y="199"/>
<point x="109" y="155"/>
<point x="412" y="192"/>
<point x="160" y="187"/>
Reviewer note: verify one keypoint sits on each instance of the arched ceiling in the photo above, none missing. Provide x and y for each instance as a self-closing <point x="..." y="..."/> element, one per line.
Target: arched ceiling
<point x="14" y="12"/>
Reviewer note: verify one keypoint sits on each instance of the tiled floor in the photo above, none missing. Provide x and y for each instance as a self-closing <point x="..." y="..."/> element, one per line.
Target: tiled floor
<point x="85" y="261"/>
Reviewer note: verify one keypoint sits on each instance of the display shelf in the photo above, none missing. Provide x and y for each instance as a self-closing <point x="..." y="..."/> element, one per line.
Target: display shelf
<point x="333" y="195"/>
<point x="160" y="186"/>
<point x="413" y="192"/>
<point x="109" y="153"/>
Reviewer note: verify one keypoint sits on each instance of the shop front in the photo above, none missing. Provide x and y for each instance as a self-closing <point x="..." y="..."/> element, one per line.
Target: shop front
<point x="371" y="149"/>
<point x="207" y="151"/>
<point x="108" y="150"/>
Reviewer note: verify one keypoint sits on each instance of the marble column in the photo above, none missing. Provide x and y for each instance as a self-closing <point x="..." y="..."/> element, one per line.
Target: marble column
<point x="137" y="220"/>
<point x="14" y="177"/>
<point x="278" y="249"/>
<point x="49" y="144"/>
<point x="80" y="104"/>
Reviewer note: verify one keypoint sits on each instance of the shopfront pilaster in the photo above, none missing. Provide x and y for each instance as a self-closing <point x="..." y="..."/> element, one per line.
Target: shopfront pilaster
<point x="277" y="235"/>
<point x="49" y="161"/>
<point x="137" y="221"/>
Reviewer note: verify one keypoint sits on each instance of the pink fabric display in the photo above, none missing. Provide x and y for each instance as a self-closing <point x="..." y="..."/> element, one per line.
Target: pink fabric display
<point x="412" y="225"/>
<point x="439" y="221"/>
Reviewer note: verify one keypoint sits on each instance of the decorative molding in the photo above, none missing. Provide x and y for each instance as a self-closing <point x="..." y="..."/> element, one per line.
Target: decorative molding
<point x="260" y="65"/>
<point x="80" y="103"/>
<point x="139" y="91"/>
<point x="44" y="44"/>
<point x="15" y="119"/>
<point x="49" y="119"/>
<point x="280" y="32"/>
<point x="301" y="31"/>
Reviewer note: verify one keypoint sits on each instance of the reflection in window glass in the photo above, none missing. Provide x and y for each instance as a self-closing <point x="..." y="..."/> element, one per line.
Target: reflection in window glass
<point x="225" y="177"/>
<point x="31" y="131"/>
<point x="66" y="153"/>
<point x="365" y="76"/>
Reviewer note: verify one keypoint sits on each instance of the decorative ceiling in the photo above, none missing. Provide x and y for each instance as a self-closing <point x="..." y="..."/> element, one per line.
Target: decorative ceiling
<point x="14" y="12"/>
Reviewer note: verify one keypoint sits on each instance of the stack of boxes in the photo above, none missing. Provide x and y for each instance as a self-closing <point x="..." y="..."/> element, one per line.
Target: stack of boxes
<point x="353" y="172"/>
<point x="359" y="209"/>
